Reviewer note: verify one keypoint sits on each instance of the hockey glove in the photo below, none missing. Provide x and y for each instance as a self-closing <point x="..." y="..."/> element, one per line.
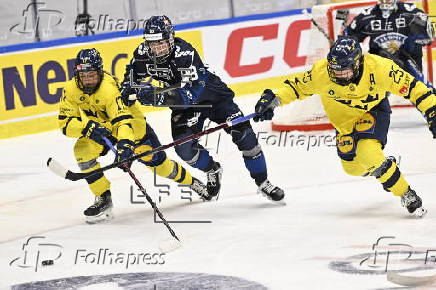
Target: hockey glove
<point x="430" y="115"/>
<point x="94" y="131"/>
<point x="126" y="91"/>
<point x="146" y="95"/>
<point x="125" y="149"/>
<point x="265" y="106"/>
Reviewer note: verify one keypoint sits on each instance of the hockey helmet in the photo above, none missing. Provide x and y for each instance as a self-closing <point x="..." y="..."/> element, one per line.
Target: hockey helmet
<point x="387" y="7"/>
<point x="88" y="70"/>
<point x="159" y="38"/>
<point x="344" y="60"/>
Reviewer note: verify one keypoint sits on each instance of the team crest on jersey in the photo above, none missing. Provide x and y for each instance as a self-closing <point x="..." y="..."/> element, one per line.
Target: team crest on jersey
<point x="391" y="42"/>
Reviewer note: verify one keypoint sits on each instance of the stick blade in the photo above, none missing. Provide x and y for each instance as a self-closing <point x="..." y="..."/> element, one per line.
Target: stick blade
<point x="56" y="168"/>
<point x="410" y="281"/>
<point x="170" y="245"/>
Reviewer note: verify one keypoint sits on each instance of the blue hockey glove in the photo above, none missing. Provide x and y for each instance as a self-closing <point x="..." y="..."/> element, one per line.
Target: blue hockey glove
<point x="265" y="106"/>
<point x="126" y="91"/>
<point x="409" y="44"/>
<point x="125" y="149"/>
<point x="146" y="95"/>
<point x="430" y="115"/>
<point x="94" y="131"/>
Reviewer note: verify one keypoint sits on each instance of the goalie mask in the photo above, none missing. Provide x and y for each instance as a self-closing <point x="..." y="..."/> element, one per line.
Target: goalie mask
<point x="344" y="61"/>
<point x="88" y="70"/>
<point x="159" y="38"/>
<point x="387" y="7"/>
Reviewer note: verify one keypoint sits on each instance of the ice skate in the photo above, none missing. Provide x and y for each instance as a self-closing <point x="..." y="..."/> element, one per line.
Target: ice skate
<point x="200" y="188"/>
<point x="272" y="192"/>
<point x="413" y="203"/>
<point x="214" y="180"/>
<point x="101" y="210"/>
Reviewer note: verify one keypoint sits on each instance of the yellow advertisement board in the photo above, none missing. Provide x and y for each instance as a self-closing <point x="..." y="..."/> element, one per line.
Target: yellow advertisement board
<point x="32" y="81"/>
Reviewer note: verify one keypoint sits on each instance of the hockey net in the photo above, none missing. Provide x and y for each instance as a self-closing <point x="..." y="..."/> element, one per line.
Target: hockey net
<point x="308" y="114"/>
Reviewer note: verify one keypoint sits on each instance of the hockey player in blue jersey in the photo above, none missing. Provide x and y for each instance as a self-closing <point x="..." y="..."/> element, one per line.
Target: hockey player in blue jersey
<point x="396" y="30"/>
<point x="201" y="95"/>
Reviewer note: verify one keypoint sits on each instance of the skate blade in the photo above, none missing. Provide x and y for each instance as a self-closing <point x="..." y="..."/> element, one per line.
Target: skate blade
<point x="419" y="212"/>
<point x="277" y="202"/>
<point x="103" y="217"/>
<point x="209" y="199"/>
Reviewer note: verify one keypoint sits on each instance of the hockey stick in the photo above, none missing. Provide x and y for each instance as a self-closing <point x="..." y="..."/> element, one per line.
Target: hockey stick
<point x="150" y="201"/>
<point x="410" y="281"/>
<point x="61" y="171"/>
<point x="320" y="29"/>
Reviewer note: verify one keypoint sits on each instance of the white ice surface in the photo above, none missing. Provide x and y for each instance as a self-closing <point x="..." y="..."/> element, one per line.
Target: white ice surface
<point x="329" y="216"/>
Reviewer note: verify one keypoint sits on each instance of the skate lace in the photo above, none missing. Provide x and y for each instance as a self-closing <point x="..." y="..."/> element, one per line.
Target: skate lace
<point x="97" y="202"/>
<point x="199" y="188"/>
<point x="212" y="177"/>
<point x="268" y="187"/>
<point x="408" y="198"/>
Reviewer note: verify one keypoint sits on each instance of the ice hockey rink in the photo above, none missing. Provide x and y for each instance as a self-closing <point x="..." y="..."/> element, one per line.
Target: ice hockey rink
<point x="336" y="231"/>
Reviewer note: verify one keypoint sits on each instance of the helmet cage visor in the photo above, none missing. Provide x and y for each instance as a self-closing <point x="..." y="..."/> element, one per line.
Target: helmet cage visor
<point x="387" y="5"/>
<point x="344" y="74"/>
<point x="159" y="45"/>
<point x="88" y="77"/>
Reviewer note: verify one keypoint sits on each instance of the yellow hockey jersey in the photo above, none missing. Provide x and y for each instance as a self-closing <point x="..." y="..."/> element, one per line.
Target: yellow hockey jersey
<point x="104" y="106"/>
<point x="345" y="105"/>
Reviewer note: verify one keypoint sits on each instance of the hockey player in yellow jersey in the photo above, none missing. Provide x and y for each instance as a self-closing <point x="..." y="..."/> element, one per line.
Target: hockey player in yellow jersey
<point x="353" y="88"/>
<point x="90" y="108"/>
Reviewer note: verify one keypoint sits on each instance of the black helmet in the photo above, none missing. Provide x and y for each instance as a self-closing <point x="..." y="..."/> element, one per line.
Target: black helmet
<point x="88" y="60"/>
<point x="345" y="55"/>
<point x="159" y="38"/>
